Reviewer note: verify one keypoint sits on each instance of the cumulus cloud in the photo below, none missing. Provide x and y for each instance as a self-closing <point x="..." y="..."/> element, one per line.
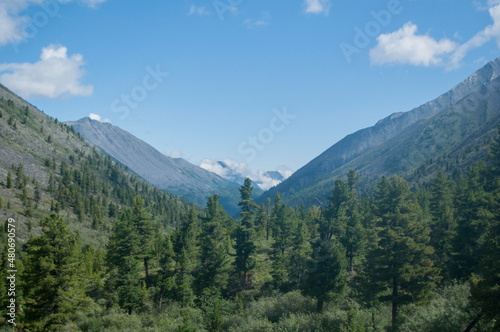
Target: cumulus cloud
<point x="13" y="23"/>
<point x="405" y="46"/>
<point x="55" y="74"/>
<point x="200" y="11"/>
<point x="317" y="6"/>
<point x="238" y="171"/>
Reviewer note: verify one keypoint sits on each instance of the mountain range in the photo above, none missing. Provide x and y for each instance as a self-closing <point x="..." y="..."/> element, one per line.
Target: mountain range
<point x="426" y="138"/>
<point x="449" y="132"/>
<point x="175" y="175"/>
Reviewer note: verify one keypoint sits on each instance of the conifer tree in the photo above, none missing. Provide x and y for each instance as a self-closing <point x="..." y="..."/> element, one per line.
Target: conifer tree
<point x="168" y="265"/>
<point x="214" y="258"/>
<point x="54" y="278"/>
<point x="245" y="236"/>
<point x="9" y="179"/>
<point x="486" y="282"/>
<point x="443" y="225"/>
<point x="186" y="250"/>
<point x="300" y="252"/>
<point x="124" y="263"/>
<point x="401" y="260"/>
<point x="145" y="231"/>
<point x="282" y="235"/>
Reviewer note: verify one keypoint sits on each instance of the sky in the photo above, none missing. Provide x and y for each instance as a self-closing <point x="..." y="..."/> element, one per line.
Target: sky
<point x="261" y="85"/>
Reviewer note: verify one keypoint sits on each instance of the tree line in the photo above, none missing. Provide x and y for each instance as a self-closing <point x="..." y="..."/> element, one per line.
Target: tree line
<point x="378" y="254"/>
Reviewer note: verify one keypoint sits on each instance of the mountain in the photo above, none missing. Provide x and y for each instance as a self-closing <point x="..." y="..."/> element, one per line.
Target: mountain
<point x="461" y="120"/>
<point x="46" y="167"/>
<point x="174" y="175"/>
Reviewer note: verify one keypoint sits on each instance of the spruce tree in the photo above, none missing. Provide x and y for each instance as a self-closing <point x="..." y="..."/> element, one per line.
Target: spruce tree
<point x="401" y="260"/>
<point x="282" y="236"/>
<point x="54" y="277"/>
<point x="145" y="231"/>
<point x="245" y="236"/>
<point x="300" y="252"/>
<point x="214" y="258"/>
<point x="443" y="225"/>
<point x="124" y="263"/>
<point x="168" y="266"/>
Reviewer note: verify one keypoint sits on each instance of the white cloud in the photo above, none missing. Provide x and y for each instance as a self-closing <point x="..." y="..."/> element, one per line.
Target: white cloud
<point x="481" y="38"/>
<point x="97" y="117"/>
<point x="404" y="46"/>
<point x="55" y="74"/>
<point x="236" y="171"/>
<point x="13" y="24"/>
<point x="200" y="11"/>
<point x="317" y="6"/>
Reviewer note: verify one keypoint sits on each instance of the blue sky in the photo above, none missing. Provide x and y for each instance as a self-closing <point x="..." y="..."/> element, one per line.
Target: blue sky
<point x="260" y="84"/>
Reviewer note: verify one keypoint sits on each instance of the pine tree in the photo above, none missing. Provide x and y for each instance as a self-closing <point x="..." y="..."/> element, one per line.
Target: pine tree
<point x="145" y="231"/>
<point x="245" y="235"/>
<point x="186" y="250"/>
<point x="214" y="257"/>
<point x="401" y="260"/>
<point x="300" y="252"/>
<point x="326" y="276"/>
<point x="168" y="266"/>
<point x="443" y="225"/>
<point x="282" y="235"/>
<point x="54" y="279"/>
<point x="345" y="218"/>
<point x="124" y="263"/>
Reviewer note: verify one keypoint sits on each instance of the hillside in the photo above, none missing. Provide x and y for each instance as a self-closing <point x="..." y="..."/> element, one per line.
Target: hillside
<point x="463" y="119"/>
<point x="45" y="166"/>
<point x="174" y="175"/>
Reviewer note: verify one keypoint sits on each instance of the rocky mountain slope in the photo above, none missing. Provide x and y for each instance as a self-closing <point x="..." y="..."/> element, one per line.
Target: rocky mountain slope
<point x="174" y="175"/>
<point x="460" y="119"/>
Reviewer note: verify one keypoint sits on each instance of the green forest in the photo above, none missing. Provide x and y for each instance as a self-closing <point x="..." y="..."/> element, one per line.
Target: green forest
<point x="399" y="259"/>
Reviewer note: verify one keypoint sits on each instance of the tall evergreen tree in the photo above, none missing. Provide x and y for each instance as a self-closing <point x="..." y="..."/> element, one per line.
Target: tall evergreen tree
<point x="214" y="257"/>
<point x="145" y="231"/>
<point x="168" y="266"/>
<point x="186" y="250"/>
<point x="245" y="237"/>
<point x="282" y="235"/>
<point x="443" y="225"/>
<point x="345" y="217"/>
<point x="300" y="252"/>
<point x="124" y="263"/>
<point x="401" y="261"/>
<point x="54" y="277"/>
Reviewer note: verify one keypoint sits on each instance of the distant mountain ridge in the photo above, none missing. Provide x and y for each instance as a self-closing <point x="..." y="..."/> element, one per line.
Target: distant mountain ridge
<point x="174" y="175"/>
<point x="395" y="143"/>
